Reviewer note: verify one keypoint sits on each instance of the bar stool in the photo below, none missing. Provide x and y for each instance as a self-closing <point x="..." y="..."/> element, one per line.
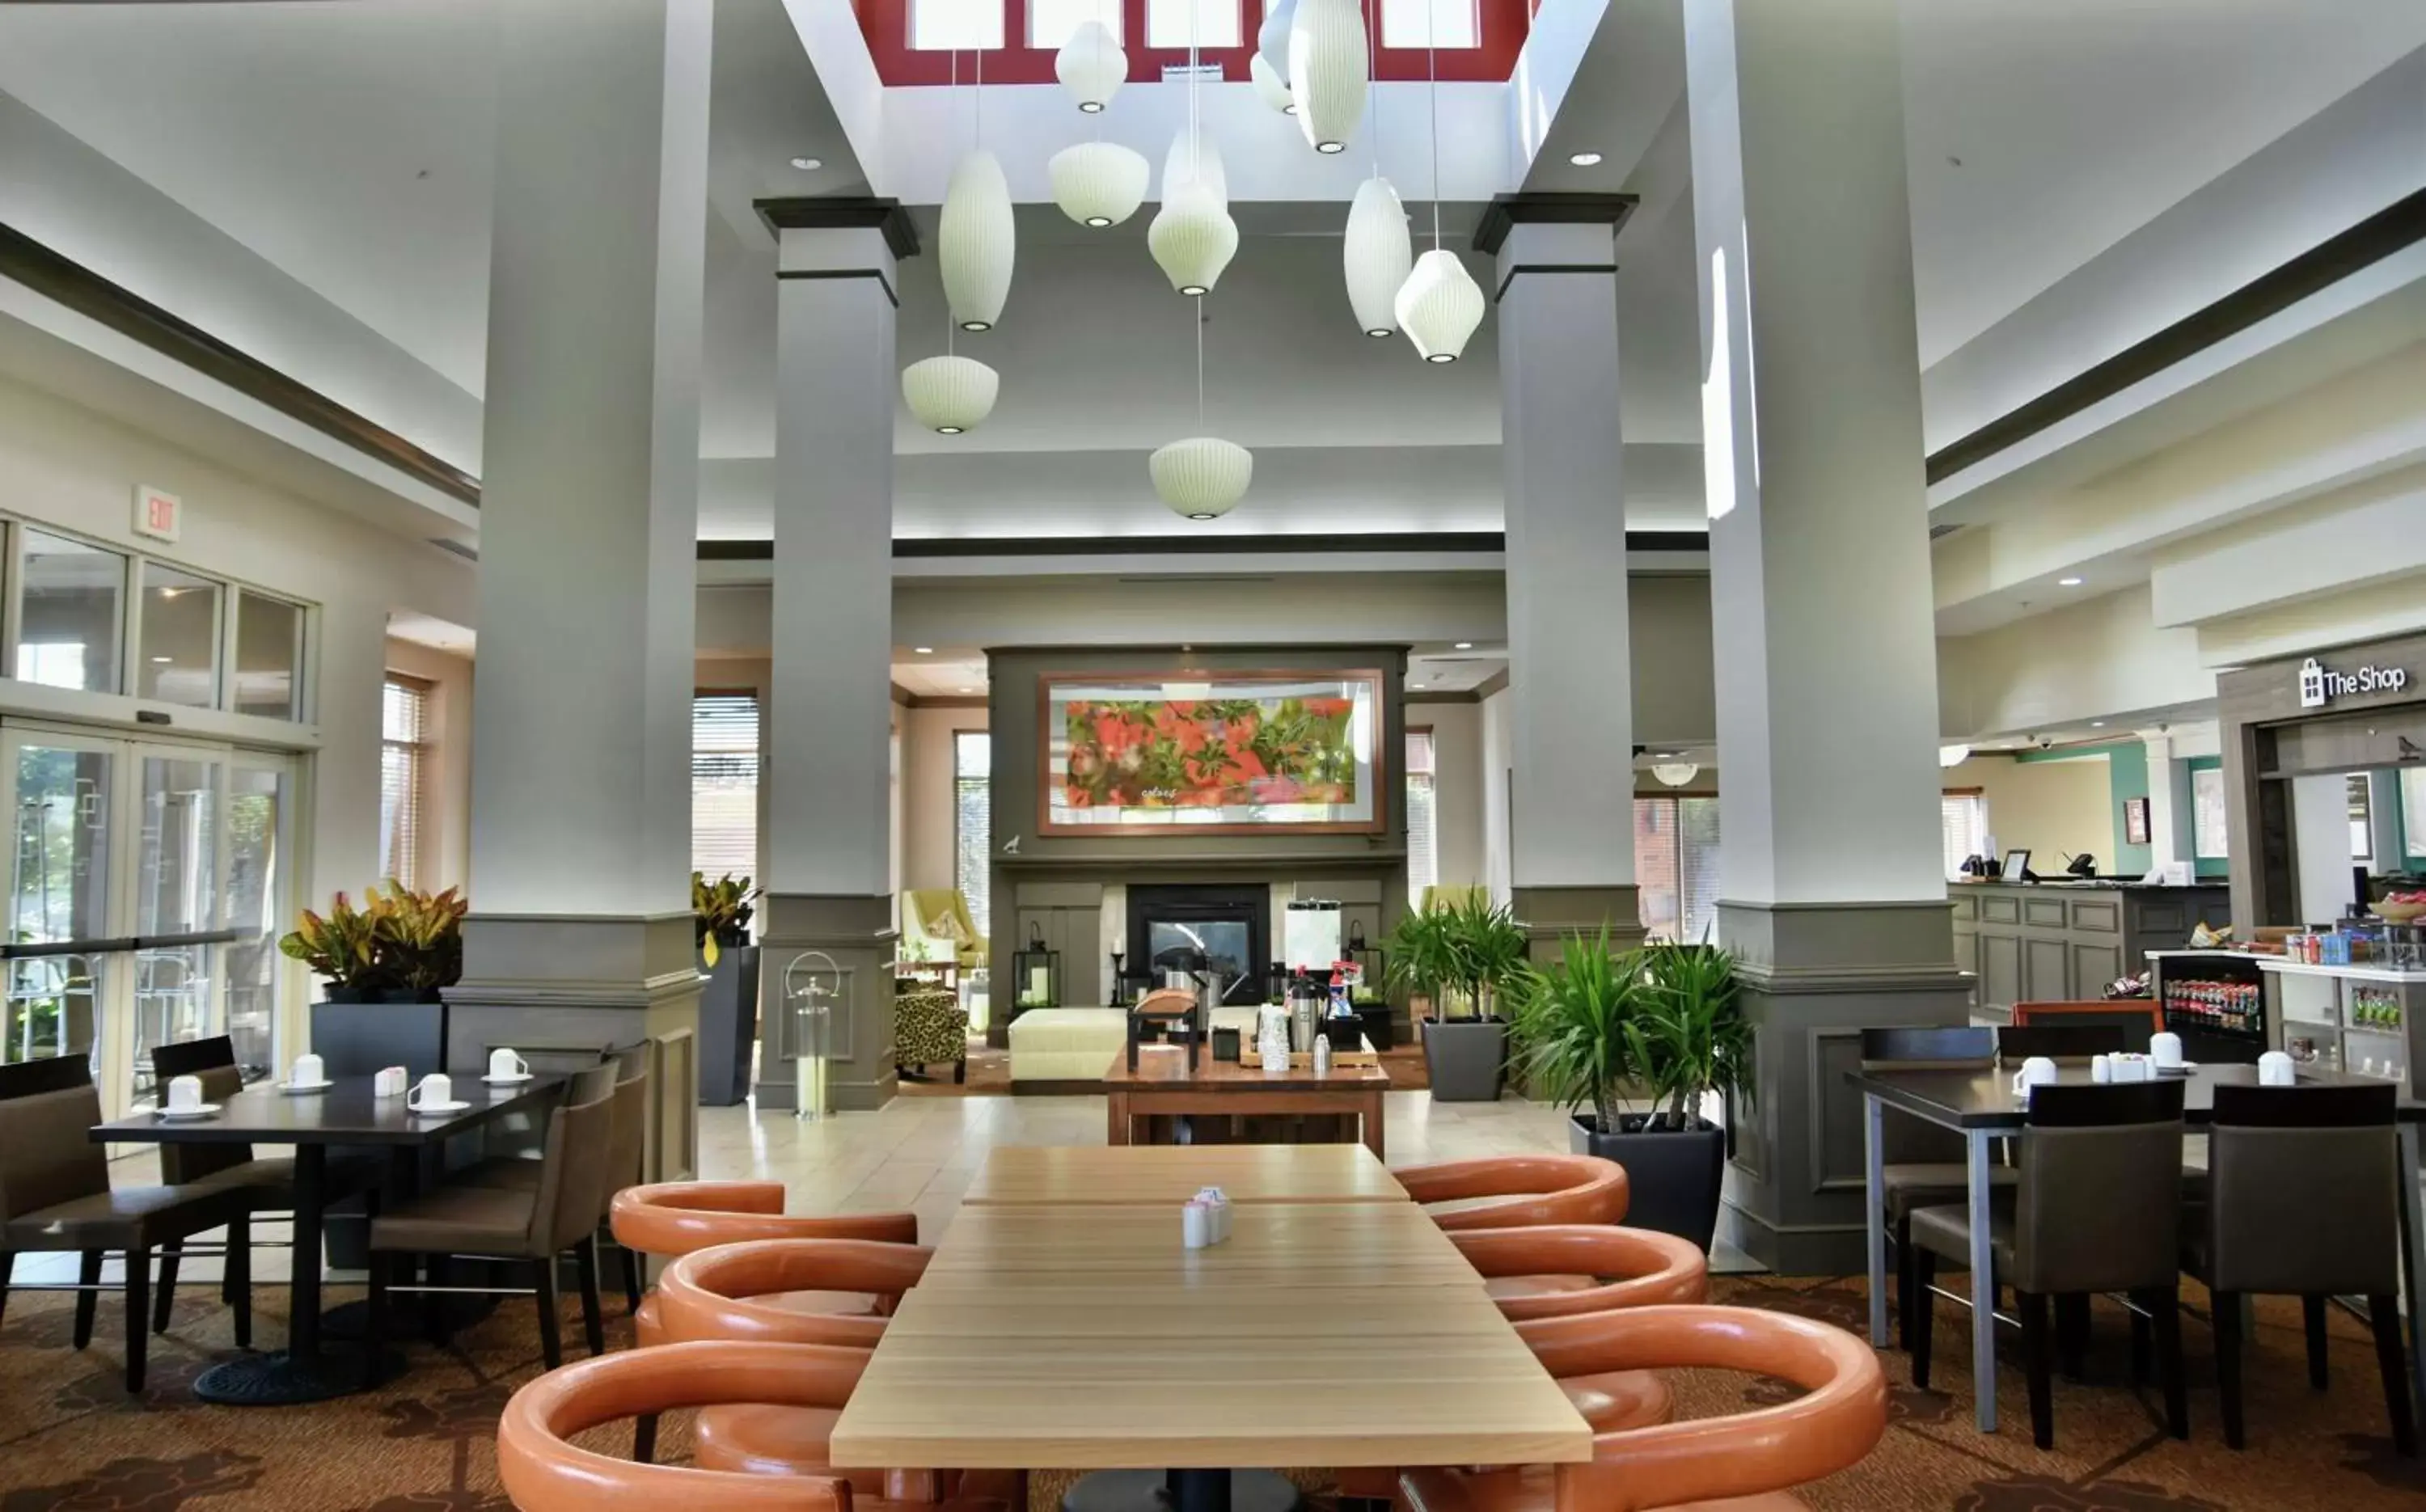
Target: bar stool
<point x="2303" y="1199"/>
<point x="1707" y="1462"/>
<point x="2098" y="1209"/>
<point x="1924" y="1165"/>
<point x="544" y="1471"/>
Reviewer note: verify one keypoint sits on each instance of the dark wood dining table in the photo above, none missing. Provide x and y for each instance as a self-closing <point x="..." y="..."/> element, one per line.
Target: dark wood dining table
<point x="1983" y="1106"/>
<point x="346" y="1113"/>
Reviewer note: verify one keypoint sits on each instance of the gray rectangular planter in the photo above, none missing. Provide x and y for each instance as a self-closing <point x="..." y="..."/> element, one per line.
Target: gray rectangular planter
<point x="728" y="1025"/>
<point x="1467" y="1058"/>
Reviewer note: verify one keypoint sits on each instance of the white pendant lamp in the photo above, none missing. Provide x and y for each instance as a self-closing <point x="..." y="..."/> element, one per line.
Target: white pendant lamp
<point x="1192" y="239"/>
<point x="1270" y="84"/>
<point x="1091" y="65"/>
<point x="1201" y="478"/>
<point x="1326" y="71"/>
<point x="1439" y="306"/>
<point x="1273" y="37"/>
<point x="1098" y="184"/>
<point x="1675" y="774"/>
<point x="1377" y="255"/>
<point x="950" y="394"/>
<point x="1953" y="755"/>
<point x="975" y="242"/>
<point x="1194" y="160"/>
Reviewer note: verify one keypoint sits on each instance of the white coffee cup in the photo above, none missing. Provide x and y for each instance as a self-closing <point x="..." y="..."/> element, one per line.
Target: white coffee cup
<point x="2275" y="1068"/>
<point x="2165" y="1050"/>
<point x="504" y="1063"/>
<point x="2101" y="1070"/>
<point x="390" y="1082"/>
<point x="435" y="1092"/>
<point x="2036" y="1071"/>
<point x="309" y="1071"/>
<point x="184" y="1093"/>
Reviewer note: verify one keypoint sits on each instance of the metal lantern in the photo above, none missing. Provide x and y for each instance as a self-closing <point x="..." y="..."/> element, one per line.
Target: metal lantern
<point x="1035" y="973"/>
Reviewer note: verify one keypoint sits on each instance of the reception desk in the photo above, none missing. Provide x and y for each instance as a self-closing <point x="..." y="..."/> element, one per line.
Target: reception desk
<point x="2063" y="942"/>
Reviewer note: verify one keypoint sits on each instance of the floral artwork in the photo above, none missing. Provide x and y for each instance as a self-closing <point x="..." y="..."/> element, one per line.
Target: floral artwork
<point x="1246" y="752"/>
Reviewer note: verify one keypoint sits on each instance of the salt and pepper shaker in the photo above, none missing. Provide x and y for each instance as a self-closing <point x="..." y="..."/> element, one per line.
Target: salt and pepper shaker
<point x="1321" y="1054"/>
<point x="1205" y="1219"/>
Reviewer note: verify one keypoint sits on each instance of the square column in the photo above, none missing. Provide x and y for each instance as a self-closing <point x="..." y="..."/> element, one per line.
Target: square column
<point x="829" y="856"/>
<point x="581" y="934"/>
<point x="1833" y="896"/>
<point x="1569" y="661"/>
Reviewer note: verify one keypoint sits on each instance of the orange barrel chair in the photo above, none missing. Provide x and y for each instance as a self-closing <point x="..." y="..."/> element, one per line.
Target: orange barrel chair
<point x="675" y="1218"/>
<point x="1740" y="1463"/>
<point x="544" y="1471"/>
<point x="742" y="1293"/>
<point x="1539" y="1189"/>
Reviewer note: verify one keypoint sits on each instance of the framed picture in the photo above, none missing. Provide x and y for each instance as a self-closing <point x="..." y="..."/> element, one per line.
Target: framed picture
<point x="2135" y="821"/>
<point x="1215" y="753"/>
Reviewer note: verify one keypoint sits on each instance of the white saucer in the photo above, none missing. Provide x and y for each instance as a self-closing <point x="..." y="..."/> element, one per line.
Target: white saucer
<point x="299" y="1088"/>
<point x="509" y="1081"/>
<point x="200" y="1110"/>
<point x="457" y="1106"/>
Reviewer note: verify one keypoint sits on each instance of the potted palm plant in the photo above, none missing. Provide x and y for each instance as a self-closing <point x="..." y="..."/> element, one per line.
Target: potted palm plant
<point x="1466" y="1047"/>
<point x="728" y="1001"/>
<point x="1602" y="1028"/>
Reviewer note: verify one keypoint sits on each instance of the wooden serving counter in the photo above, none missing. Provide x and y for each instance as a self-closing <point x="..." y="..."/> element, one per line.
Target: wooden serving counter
<point x="2057" y="941"/>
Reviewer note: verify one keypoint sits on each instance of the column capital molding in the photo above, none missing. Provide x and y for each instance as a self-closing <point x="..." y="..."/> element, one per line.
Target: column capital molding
<point x="1508" y="211"/>
<point x="848" y="213"/>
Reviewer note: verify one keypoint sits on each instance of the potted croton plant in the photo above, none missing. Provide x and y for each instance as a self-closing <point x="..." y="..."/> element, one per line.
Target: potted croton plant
<point x="1461" y="955"/>
<point x="1599" y="1029"/>
<point x="728" y="1002"/>
<point x="384" y="964"/>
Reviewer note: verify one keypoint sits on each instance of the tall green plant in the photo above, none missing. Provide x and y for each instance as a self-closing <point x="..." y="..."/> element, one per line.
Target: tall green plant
<point x="1570" y="1023"/>
<point x="1490" y="945"/>
<point x="1691" y="1038"/>
<point x="1421" y="953"/>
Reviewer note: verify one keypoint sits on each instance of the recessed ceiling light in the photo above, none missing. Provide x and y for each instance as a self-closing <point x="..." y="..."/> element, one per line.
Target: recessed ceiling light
<point x="924" y="651"/>
<point x="162" y="658"/>
<point x="2097" y="724"/>
<point x="1584" y="159"/>
<point x="808" y="165"/>
<point x="1466" y="645"/>
<point x="968" y="690"/>
<point x="2067" y="582"/>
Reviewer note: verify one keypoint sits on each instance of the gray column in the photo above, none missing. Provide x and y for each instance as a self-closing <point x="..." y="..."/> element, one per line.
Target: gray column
<point x="1569" y="671"/>
<point x="1834" y="891"/>
<point x="829" y="803"/>
<point x="581" y="935"/>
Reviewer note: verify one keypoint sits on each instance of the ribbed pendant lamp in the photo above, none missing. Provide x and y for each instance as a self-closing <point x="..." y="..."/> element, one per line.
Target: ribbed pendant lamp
<point x="1091" y="65"/>
<point x="950" y="394"/>
<point x="976" y="240"/>
<point x="1201" y="477"/>
<point x="1098" y="184"/>
<point x="1326" y="71"/>
<point x="1377" y="256"/>
<point x="1440" y="304"/>
<point x="1272" y="85"/>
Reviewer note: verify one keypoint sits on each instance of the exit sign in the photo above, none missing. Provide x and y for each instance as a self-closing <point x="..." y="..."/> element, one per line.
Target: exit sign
<point x="157" y="514"/>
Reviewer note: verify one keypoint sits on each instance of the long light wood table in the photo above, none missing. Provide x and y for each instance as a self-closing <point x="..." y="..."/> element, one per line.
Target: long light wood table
<point x="1066" y="1174"/>
<point x="1323" y="1333"/>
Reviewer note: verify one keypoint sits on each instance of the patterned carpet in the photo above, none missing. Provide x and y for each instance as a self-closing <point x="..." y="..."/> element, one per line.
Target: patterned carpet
<point x="71" y="1441"/>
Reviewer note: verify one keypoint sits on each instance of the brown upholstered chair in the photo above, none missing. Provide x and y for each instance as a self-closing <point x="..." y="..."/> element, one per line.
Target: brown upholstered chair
<point x="1923" y="1165"/>
<point x="54" y="1194"/>
<point x="544" y="1471"/>
<point x="2304" y="1200"/>
<point x="675" y="1218"/>
<point x="747" y="1293"/>
<point x="628" y="1136"/>
<point x="1706" y="1462"/>
<point x="1539" y="1189"/>
<point x="268" y="1183"/>
<point x="2097" y="1210"/>
<point x="559" y="1214"/>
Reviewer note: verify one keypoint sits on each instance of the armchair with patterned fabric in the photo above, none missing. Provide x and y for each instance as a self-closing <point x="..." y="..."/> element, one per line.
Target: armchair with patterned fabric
<point x="937" y="919"/>
<point x="929" y="1027"/>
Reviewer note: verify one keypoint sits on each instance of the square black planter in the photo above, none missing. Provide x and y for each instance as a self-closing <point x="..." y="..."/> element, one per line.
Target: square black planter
<point x="359" y="1039"/>
<point x="1673" y="1177"/>
<point x="1378" y="1024"/>
<point x="728" y="1026"/>
<point x="1465" y="1059"/>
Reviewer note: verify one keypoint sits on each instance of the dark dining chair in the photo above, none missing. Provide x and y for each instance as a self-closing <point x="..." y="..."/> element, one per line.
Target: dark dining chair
<point x="2097" y="1210"/>
<point x="56" y="1194"/>
<point x="1925" y="1165"/>
<point x="2303" y="1199"/>
<point x="2016" y="1043"/>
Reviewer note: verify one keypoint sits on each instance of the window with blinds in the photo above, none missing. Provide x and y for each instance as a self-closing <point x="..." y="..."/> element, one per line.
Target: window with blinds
<point x="973" y="821"/>
<point x="404" y="777"/>
<point x="1676" y="866"/>
<point x="724" y="783"/>
<point x="1423" y="825"/>
<point x="1962" y="829"/>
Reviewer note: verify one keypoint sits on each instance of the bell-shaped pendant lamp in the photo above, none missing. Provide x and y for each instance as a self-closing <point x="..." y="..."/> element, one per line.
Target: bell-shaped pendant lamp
<point x="1270" y="84"/>
<point x="1098" y="184"/>
<point x="1439" y="306"/>
<point x="1327" y="70"/>
<point x="1091" y="65"/>
<point x="975" y="242"/>
<point x="1192" y="239"/>
<point x="1194" y="160"/>
<point x="1273" y="37"/>
<point x="950" y="394"/>
<point x="1377" y="256"/>
<point x="1201" y="478"/>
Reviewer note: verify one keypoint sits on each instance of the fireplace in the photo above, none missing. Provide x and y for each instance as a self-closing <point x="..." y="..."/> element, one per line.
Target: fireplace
<point x="1230" y="925"/>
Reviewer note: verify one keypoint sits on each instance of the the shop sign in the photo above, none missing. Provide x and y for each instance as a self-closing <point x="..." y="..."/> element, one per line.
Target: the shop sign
<point x="2321" y="684"/>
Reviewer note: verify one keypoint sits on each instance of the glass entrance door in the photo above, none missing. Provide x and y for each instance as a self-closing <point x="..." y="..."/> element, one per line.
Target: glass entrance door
<point x="148" y="885"/>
